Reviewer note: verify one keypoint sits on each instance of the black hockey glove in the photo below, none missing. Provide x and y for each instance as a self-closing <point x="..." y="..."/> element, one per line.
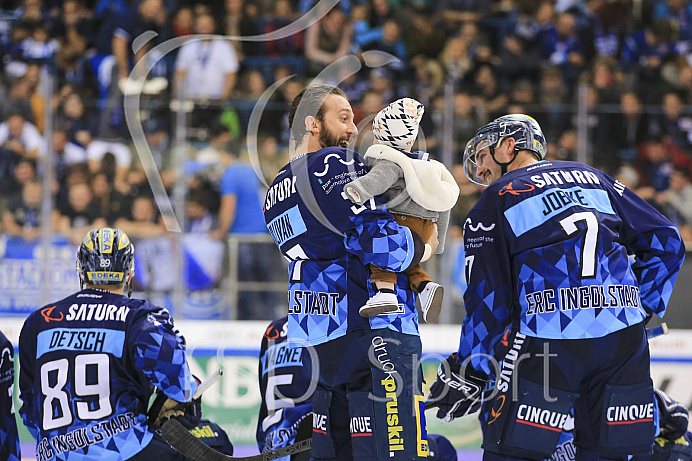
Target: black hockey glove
<point x="454" y="394"/>
<point x="188" y="414"/>
<point x="673" y="416"/>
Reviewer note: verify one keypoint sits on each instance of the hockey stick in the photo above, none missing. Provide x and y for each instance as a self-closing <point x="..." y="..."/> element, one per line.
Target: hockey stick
<point x="204" y="385"/>
<point x="651" y="333"/>
<point x="190" y="446"/>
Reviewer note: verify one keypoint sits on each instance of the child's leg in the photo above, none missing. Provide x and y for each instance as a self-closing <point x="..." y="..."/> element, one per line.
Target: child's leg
<point x="431" y="293"/>
<point x="416" y="276"/>
<point x="381" y="278"/>
<point x="385" y="299"/>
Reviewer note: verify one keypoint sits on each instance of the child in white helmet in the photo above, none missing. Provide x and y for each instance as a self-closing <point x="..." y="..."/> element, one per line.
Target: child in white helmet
<point x="419" y="192"/>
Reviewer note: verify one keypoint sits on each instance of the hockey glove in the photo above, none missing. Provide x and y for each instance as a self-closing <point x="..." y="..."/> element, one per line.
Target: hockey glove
<point x="456" y="395"/>
<point x="188" y="414"/>
<point x="673" y="416"/>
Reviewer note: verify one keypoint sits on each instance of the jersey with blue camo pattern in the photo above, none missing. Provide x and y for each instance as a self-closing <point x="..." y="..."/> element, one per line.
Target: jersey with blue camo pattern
<point x="329" y="242"/>
<point x="563" y="251"/>
<point x="88" y="367"/>
<point x="9" y="437"/>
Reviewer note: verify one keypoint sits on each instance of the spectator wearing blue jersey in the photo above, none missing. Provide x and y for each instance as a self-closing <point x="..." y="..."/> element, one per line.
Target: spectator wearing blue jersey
<point x="9" y="437"/>
<point x="546" y="257"/>
<point x="367" y="367"/>
<point x="85" y="396"/>
<point x="240" y="214"/>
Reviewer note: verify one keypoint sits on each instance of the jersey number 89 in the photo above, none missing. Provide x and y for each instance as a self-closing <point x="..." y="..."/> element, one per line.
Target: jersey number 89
<point x="57" y="410"/>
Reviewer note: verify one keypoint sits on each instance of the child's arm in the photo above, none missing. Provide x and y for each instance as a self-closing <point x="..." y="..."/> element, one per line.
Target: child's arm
<point x="381" y="177"/>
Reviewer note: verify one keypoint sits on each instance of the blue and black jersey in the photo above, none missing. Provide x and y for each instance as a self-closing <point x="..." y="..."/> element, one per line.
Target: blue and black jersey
<point x="88" y="365"/>
<point x="285" y="385"/>
<point x="9" y="437"/>
<point x="560" y="250"/>
<point x="330" y="241"/>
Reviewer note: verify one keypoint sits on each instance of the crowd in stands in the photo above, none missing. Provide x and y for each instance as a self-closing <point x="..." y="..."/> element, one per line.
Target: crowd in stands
<point x="634" y="57"/>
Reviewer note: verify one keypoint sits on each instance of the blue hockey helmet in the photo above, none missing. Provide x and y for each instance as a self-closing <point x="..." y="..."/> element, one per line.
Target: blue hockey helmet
<point x="105" y="257"/>
<point x="525" y="130"/>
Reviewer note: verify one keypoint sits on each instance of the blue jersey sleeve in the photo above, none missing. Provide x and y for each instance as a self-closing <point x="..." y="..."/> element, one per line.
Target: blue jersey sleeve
<point x="9" y="437"/>
<point x="656" y="244"/>
<point x="159" y="352"/>
<point x="27" y="353"/>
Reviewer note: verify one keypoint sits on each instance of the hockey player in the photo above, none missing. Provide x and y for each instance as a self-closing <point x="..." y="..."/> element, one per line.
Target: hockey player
<point x="286" y="387"/>
<point x="367" y="405"/>
<point x="88" y="364"/>
<point x="9" y="437"/>
<point x="547" y="250"/>
<point x="419" y="193"/>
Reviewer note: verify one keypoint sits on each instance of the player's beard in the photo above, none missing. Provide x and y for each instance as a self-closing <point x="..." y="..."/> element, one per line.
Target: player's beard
<point x="329" y="139"/>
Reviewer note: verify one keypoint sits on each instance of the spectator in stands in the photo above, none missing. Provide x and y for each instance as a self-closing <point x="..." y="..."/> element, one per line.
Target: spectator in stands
<point x="561" y="46"/>
<point x="241" y="213"/>
<point x="654" y="167"/>
<point x="388" y="39"/>
<point x="327" y="40"/>
<point x="143" y="221"/>
<point x="66" y="153"/>
<point x="456" y="60"/>
<point x="183" y="22"/>
<point x="381" y="82"/>
<point x="456" y="12"/>
<point x="628" y="127"/>
<point x="11" y="185"/>
<point x="468" y="116"/>
<point x="74" y="119"/>
<point x="22" y="217"/>
<point x="241" y="21"/>
<point x="21" y="137"/>
<point x="210" y="159"/>
<point x="198" y="216"/>
<point x="112" y="205"/>
<point x="19" y="99"/>
<point x="206" y="68"/>
<point x="39" y="46"/>
<point x="679" y="14"/>
<point x="98" y="149"/>
<point x="288" y="47"/>
<point x="75" y="31"/>
<point x="425" y="38"/>
<point x="673" y="123"/>
<point x="643" y="54"/>
<point x="486" y="88"/>
<point x="80" y="213"/>
<point x="115" y="57"/>
<point x="676" y="202"/>
<point x="518" y="61"/>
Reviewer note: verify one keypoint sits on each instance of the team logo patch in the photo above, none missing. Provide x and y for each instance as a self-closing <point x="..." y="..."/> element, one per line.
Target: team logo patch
<point x="47" y="314"/>
<point x="509" y="189"/>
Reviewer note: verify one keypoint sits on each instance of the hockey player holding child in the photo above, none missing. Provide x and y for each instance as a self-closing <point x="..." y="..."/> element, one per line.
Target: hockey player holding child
<point x="419" y="192"/>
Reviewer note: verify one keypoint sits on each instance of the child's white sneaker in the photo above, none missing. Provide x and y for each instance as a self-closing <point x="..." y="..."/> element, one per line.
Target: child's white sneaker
<point x="431" y="301"/>
<point x="379" y="304"/>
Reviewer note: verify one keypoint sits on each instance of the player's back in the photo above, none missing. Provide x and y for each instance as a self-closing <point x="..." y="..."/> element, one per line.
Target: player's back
<point x="567" y="228"/>
<point x="286" y="386"/>
<point x="85" y="397"/>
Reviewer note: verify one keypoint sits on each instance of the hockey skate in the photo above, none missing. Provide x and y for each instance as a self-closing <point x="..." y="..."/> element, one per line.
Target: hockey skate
<point x="431" y="301"/>
<point x="379" y="304"/>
